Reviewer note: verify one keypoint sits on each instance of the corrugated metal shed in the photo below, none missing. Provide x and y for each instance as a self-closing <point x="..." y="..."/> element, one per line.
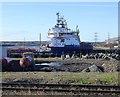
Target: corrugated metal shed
<point x="3" y="51"/>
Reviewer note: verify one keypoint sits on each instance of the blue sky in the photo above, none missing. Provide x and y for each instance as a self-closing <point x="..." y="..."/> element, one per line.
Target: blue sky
<point x="27" y="20"/>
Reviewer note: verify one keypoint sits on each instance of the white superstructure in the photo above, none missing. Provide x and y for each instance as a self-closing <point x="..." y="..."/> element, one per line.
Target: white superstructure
<point x="60" y="35"/>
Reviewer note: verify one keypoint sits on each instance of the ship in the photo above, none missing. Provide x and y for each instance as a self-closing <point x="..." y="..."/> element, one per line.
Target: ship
<point x="65" y="40"/>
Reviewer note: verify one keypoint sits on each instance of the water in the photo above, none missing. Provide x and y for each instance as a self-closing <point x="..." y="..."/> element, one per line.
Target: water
<point x="50" y="64"/>
<point x="26" y="47"/>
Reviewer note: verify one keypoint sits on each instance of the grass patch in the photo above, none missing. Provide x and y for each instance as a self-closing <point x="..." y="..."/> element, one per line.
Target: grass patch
<point x="67" y="77"/>
<point x="92" y="78"/>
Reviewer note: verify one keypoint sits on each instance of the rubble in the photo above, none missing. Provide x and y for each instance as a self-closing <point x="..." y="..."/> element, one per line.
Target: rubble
<point x="93" y="68"/>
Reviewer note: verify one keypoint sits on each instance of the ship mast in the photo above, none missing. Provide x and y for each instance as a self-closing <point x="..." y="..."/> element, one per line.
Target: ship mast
<point x="58" y="20"/>
<point x="57" y="15"/>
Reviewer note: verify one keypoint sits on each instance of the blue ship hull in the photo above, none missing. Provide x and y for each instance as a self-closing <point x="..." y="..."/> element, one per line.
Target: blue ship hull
<point x="84" y="49"/>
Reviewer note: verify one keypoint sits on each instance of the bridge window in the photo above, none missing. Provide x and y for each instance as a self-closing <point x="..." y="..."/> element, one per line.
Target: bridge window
<point x="62" y="40"/>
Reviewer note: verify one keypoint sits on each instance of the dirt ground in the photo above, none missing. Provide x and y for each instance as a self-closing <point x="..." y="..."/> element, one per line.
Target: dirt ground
<point x="67" y="65"/>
